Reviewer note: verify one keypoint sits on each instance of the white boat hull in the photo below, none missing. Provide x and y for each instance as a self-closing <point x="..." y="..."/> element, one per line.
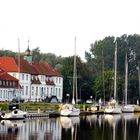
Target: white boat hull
<point x="14" y="115"/>
<point x="115" y="110"/>
<point x="128" y="109"/>
<point x="75" y="112"/>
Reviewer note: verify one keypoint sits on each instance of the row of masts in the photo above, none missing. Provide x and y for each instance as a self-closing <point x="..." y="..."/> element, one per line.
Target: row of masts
<point x="115" y="74"/>
<point x="74" y="92"/>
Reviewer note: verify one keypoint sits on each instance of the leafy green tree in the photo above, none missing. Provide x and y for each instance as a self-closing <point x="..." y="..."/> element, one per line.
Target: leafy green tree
<point x="107" y="89"/>
<point x="102" y="50"/>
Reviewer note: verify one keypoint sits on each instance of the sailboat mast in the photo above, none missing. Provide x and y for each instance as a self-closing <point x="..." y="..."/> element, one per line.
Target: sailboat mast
<point x="18" y="66"/>
<point x="115" y="71"/>
<point x="126" y="77"/>
<point x="74" y="76"/>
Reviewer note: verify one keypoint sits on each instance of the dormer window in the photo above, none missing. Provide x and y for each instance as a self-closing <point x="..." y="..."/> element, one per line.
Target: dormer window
<point x="4" y="83"/>
<point x="10" y="83"/>
<point x="13" y="83"/>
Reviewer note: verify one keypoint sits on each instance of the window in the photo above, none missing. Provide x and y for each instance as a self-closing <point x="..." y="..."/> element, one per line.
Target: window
<point x="56" y="80"/>
<point x="13" y="83"/>
<point x="47" y="91"/>
<point x="22" y="76"/>
<point x="7" y="83"/>
<point x="0" y="82"/>
<point x="59" y="92"/>
<point x="4" y="94"/>
<point x="22" y="90"/>
<point x="51" y="91"/>
<point x="56" y="91"/>
<point x="4" y="83"/>
<point x="59" y="80"/>
<point x="10" y="83"/>
<point x="27" y="77"/>
<point x="26" y="90"/>
<point x="36" y="91"/>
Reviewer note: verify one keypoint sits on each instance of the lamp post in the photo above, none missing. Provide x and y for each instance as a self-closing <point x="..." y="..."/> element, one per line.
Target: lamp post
<point x="81" y="88"/>
<point x="67" y="97"/>
<point x="139" y="80"/>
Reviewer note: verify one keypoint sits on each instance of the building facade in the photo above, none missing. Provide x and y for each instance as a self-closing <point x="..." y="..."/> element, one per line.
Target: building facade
<point x="37" y="80"/>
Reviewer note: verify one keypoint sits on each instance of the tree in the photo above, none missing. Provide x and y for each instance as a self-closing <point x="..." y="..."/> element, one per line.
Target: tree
<point x="83" y="76"/>
<point x="108" y="85"/>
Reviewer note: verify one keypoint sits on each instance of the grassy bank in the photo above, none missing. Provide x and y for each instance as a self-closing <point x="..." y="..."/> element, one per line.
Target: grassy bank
<point x="33" y="106"/>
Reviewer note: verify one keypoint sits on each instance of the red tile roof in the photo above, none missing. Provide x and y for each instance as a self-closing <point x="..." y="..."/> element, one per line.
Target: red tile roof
<point x="25" y="67"/>
<point x="46" y="69"/>
<point x="10" y="64"/>
<point x="7" y="77"/>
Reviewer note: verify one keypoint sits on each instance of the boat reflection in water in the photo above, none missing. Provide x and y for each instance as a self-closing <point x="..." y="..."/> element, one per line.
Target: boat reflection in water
<point x="69" y="122"/>
<point x="12" y="128"/>
<point x="72" y="124"/>
<point x="124" y="123"/>
<point x="113" y="121"/>
<point x="124" y="126"/>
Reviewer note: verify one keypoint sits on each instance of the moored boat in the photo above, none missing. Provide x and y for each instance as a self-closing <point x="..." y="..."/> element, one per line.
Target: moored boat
<point x="69" y="110"/>
<point x="113" y="110"/>
<point x="16" y="114"/>
<point x="128" y="108"/>
<point x="136" y="108"/>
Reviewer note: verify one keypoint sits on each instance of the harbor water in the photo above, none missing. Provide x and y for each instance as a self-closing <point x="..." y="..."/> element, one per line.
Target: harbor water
<point x="85" y="127"/>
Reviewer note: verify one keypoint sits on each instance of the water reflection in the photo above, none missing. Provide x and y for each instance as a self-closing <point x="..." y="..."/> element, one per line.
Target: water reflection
<point x="69" y="122"/>
<point x="98" y="127"/>
<point x="72" y="124"/>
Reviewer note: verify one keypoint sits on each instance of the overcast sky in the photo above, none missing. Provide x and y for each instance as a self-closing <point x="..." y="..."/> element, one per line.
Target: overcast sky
<point x="52" y="25"/>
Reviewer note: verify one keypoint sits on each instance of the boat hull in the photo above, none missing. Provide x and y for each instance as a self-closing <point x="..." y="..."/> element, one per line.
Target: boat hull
<point x="115" y="110"/>
<point x="128" y="109"/>
<point x="14" y="115"/>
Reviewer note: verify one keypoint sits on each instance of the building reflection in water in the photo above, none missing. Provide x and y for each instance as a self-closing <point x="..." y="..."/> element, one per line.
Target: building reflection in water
<point x="99" y="127"/>
<point x="30" y="129"/>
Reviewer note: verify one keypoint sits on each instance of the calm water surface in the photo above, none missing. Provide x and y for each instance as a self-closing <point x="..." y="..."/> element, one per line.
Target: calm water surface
<point x="93" y="127"/>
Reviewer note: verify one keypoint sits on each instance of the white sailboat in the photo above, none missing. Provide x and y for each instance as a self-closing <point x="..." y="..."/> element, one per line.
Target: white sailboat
<point x="69" y="109"/>
<point x="113" y="107"/>
<point x="127" y="108"/>
<point x="16" y="114"/>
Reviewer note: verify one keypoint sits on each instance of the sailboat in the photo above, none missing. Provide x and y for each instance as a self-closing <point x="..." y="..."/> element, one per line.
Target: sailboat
<point x="128" y="108"/>
<point x="113" y="107"/>
<point x="15" y="113"/>
<point x="69" y="109"/>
